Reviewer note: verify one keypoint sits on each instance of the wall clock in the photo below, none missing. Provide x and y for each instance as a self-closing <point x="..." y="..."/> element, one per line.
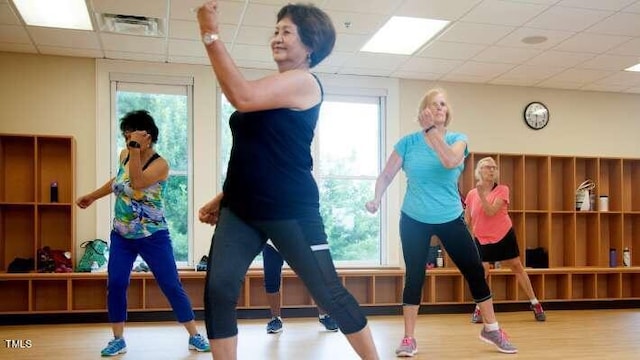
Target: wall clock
<point x="536" y="115"/>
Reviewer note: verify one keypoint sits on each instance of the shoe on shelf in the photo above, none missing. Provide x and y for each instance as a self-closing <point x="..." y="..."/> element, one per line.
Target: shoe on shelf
<point x="274" y="325"/>
<point x="328" y="322"/>
<point x="198" y="343"/>
<point x="116" y="346"/>
<point x="499" y="339"/>
<point x="476" y="317"/>
<point x="407" y="348"/>
<point x="538" y="312"/>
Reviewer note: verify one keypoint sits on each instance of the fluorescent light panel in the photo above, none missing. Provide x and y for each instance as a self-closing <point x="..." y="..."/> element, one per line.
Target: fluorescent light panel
<point x="404" y="35"/>
<point x="65" y="14"/>
<point x="635" y="68"/>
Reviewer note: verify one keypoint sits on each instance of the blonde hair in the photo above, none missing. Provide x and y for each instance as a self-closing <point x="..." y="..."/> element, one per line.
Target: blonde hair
<point x="428" y="99"/>
<point x="481" y="163"/>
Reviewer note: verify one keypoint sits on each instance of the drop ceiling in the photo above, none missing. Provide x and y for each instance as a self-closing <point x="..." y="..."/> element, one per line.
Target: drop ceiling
<point x="589" y="42"/>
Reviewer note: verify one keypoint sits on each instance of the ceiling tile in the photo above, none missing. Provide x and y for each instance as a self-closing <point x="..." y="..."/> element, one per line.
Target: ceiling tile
<point x="605" y="87"/>
<point x="375" y="61"/>
<point x="64" y="38"/>
<point x="475" y="33"/>
<point x="355" y="23"/>
<point x="559" y="58"/>
<point x="618" y="24"/>
<point x="436" y="9"/>
<point x="151" y="8"/>
<point x="531" y="73"/>
<point x="631" y="47"/>
<point x="16" y="47"/>
<point x="569" y="19"/>
<point x="609" y="62"/>
<point x="623" y="78"/>
<point x="7" y="16"/>
<point x="260" y="15"/>
<point x="187" y="48"/>
<point x="467" y="78"/>
<point x="503" y="12"/>
<point x="553" y="38"/>
<point x="365" y="71"/>
<point x="14" y="34"/>
<point x="482" y="69"/>
<point x="372" y="6"/>
<point x="132" y="44"/>
<point x="614" y="5"/>
<point x="591" y="43"/>
<point x="451" y="50"/>
<point x="413" y="75"/>
<point x="188" y="60"/>
<point x="567" y="85"/>
<point x="507" y="55"/>
<point x="182" y="29"/>
<point x="186" y="9"/>
<point x="634" y="8"/>
<point x="350" y="43"/>
<point x="75" y="52"/>
<point x="426" y="65"/>
<point x="251" y="52"/>
<point x="134" y="56"/>
<point x="581" y="75"/>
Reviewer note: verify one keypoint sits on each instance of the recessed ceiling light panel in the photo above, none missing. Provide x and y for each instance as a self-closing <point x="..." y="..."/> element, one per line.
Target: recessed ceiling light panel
<point x="404" y="35"/>
<point x="65" y="14"/>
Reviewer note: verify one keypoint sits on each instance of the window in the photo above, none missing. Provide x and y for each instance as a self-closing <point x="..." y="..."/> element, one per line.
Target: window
<point x="347" y="158"/>
<point x="170" y="106"/>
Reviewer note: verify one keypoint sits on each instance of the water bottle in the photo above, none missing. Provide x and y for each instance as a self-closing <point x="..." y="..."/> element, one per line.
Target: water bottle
<point x="94" y="266"/>
<point x="613" y="258"/>
<point x="439" y="259"/>
<point x="53" y="194"/>
<point x="626" y="257"/>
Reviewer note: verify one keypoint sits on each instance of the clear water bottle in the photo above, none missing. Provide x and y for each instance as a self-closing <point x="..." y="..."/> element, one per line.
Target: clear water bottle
<point x="626" y="257"/>
<point x="440" y="259"/>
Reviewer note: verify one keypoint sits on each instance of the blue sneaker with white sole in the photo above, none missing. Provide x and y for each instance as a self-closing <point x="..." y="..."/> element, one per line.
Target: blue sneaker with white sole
<point x="198" y="343"/>
<point x="116" y="346"/>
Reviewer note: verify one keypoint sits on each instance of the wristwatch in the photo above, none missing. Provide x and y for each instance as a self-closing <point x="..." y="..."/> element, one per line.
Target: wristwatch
<point x="209" y="38"/>
<point x="133" y="144"/>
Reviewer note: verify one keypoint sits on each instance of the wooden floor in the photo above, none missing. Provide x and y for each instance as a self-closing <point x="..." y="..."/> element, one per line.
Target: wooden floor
<point x="592" y="334"/>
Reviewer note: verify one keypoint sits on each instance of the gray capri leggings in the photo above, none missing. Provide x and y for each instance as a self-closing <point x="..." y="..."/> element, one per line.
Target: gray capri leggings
<point x="303" y="245"/>
<point x="457" y="241"/>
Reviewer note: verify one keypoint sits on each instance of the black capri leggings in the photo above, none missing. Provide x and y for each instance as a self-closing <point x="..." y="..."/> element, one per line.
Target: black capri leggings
<point x="303" y="245"/>
<point x="457" y="241"/>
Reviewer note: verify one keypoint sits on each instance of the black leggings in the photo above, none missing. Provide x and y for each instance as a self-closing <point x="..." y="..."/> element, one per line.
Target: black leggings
<point x="458" y="243"/>
<point x="303" y="245"/>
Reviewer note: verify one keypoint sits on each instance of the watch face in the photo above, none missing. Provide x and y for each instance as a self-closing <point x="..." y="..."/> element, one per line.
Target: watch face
<point x="536" y="115"/>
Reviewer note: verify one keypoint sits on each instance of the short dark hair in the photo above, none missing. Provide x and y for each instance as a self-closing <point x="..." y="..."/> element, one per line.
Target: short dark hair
<point x="315" y="28"/>
<point x="139" y="120"/>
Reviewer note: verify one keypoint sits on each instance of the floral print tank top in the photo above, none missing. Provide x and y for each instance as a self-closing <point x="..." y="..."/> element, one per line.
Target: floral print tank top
<point x="138" y="213"/>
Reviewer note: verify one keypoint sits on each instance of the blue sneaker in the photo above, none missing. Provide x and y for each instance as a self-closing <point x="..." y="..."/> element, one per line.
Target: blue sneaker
<point x="116" y="346"/>
<point x="198" y="343"/>
<point x="274" y="325"/>
<point x="328" y="322"/>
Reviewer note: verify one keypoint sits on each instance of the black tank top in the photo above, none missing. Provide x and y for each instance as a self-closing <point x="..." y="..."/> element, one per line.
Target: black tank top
<point x="269" y="173"/>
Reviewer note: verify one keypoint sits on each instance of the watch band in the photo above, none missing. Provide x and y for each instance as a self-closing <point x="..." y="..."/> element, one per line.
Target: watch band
<point x="133" y="144"/>
<point x="209" y="38"/>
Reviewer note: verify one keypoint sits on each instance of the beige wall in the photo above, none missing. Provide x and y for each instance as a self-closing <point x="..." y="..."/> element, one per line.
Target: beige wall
<point x="58" y="95"/>
<point x="583" y="123"/>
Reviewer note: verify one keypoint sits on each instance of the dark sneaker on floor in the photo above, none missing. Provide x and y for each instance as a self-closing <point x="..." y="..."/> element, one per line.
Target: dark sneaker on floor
<point x="114" y="347"/>
<point x="274" y="325"/>
<point x="476" y="317"/>
<point x="198" y="343"/>
<point x="499" y="339"/>
<point x="407" y="348"/>
<point x="328" y="322"/>
<point x="538" y="312"/>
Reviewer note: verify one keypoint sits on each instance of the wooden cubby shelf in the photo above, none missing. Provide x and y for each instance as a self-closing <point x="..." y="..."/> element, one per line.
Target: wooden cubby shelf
<point x="542" y="207"/>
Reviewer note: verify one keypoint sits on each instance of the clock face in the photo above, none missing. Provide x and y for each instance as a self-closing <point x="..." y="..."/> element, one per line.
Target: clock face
<point x="536" y="115"/>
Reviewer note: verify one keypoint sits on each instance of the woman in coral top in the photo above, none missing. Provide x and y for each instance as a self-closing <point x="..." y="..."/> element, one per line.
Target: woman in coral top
<point x="489" y="222"/>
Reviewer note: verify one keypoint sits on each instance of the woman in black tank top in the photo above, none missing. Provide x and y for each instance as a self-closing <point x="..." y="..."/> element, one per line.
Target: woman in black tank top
<point x="269" y="192"/>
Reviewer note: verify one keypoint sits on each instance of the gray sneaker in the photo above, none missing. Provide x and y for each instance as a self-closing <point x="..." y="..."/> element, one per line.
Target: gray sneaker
<point x="538" y="312"/>
<point x="499" y="339"/>
<point x="407" y="348"/>
<point x="476" y="317"/>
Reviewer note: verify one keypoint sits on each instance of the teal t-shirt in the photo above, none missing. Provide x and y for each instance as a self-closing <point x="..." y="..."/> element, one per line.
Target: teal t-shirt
<point x="432" y="195"/>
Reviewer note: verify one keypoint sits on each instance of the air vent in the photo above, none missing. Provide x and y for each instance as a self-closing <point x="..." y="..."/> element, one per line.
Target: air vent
<point x="131" y="25"/>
